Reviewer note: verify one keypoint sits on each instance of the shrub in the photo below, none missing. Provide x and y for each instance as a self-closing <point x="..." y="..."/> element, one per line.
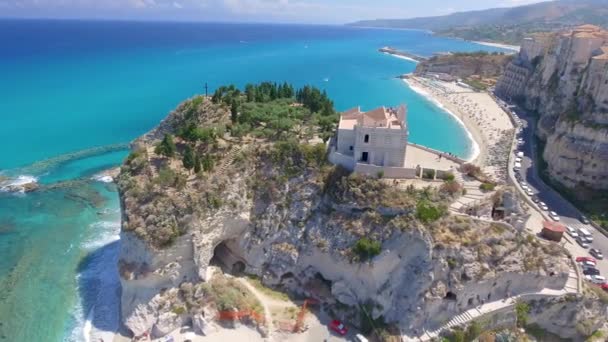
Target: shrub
<point x="522" y="309"/>
<point x="487" y="186"/>
<point x="473" y="331"/>
<point x="366" y="248"/>
<point x="451" y="187"/>
<point x="380" y="174"/>
<point x="471" y="170"/>
<point x="166" y="147"/>
<point x="428" y="212"/>
<point x="449" y="177"/>
<point x="428" y="174"/>
<point x="178" y="310"/>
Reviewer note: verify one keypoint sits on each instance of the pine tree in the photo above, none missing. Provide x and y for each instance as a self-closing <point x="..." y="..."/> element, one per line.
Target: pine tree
<point x="189" y="159"/>
<point x="207" y="163"/>
<point x="234" y="111"/>
<point x="197" y="164"/>
<point x="166" y="147"/>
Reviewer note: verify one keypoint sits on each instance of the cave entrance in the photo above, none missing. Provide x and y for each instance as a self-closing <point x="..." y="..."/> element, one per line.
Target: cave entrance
<point x="227" y="260"/>
<point x="450" y="296"/>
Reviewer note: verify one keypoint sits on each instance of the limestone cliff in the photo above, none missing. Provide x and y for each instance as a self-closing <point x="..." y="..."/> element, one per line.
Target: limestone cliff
<point x="564" y="80"/>
<point x="464" y="65"/>
<point x="276" y="209"/>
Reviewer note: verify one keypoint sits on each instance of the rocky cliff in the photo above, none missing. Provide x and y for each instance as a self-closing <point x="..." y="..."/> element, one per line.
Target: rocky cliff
<point x="273" y="207"/>
<point x="567" y="87"/>
<point x="464" y="65"/>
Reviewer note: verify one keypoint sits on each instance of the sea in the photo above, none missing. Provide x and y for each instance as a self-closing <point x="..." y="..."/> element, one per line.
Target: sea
<point x="74" y="93"/>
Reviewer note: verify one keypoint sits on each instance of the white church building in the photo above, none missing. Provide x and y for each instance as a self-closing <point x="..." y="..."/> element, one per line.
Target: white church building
<point x="373" y="142"/>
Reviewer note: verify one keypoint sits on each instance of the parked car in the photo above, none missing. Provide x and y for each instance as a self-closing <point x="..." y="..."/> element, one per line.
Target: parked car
<point x="572" y="232"/>
<point x="584" y="219"/>
<point x="529" y="192"/>
<point x="604" y="287"/>
<point x="582" y="242"/>
<point x="520" y="154"/>
<point x="543" y="206"/>
<point x="596" y="253"/>
<point x="596" y="279"/>
<point x="554" y="216"/>
<point x="591" y="271"/>
<point x="338" y="327"/>
<point x="588" y="264"/>
<point x="523" y="184"/>
<point x="584" y="258"/>
<point x="535" y="199"/>
<point x="360" y="338"/>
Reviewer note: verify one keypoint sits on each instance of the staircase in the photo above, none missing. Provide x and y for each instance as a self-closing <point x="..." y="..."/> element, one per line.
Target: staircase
<point x="229" y="159"/>
<point x="473" y="194"/>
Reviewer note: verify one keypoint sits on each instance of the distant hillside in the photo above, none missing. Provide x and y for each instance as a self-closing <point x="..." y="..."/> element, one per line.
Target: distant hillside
<point x="507" y="25"/>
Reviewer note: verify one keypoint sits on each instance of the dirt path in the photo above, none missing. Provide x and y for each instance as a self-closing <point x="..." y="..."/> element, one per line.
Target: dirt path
<point x="263" y="300"/>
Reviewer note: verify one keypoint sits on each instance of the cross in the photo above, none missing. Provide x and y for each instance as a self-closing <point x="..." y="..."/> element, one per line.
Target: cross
<point x="206" y="95"/>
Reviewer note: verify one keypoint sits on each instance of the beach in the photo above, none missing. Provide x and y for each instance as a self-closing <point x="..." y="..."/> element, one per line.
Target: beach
<point x="498" y="45"/>
<point x="488" y="125"/>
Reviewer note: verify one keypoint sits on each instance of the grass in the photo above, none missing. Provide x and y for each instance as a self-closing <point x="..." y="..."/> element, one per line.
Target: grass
<point x="271" y="293"/>
<point x="229" y="294"/>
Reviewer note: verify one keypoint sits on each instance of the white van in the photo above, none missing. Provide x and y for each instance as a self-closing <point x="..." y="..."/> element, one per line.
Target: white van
<point x="582" y="232"/>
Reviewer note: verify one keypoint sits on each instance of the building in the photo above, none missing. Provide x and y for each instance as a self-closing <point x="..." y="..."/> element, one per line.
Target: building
<point x="553" y="231"/>
<point x="373" y="141"/>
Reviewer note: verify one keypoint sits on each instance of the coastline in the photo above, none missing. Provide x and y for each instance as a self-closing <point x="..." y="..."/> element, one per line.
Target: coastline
<point x="514" y="48"/>
<point x="485" y="121"/>
<point x="473" y="133"/>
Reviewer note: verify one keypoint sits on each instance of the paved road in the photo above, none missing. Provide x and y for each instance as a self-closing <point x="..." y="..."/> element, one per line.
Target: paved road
<point x="569" y="215"/>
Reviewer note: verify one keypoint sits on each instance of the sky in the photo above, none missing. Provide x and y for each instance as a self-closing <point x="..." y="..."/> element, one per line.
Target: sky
<point x="287" y="11"/>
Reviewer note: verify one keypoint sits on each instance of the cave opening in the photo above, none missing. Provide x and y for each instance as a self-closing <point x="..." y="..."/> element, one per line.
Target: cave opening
<point x="450" y="296"/>
<point x="227" y="260"/>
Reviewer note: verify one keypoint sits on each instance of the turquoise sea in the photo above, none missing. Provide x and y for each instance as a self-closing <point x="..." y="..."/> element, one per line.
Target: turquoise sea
<point x="73" y="93"/>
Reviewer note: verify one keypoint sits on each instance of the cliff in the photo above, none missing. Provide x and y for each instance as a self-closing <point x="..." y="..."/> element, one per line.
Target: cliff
<point x="269" y="204"/>
<point x="479" y="69"/>
<point x="565" y="82"/>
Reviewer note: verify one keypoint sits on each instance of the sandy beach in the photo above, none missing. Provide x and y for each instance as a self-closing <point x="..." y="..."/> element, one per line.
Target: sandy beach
<point x="488" y="125"/>
<point x="514" y="48"/>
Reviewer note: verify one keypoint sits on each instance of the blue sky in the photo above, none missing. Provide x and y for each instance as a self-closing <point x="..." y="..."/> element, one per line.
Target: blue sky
<point x="306" y="11"/>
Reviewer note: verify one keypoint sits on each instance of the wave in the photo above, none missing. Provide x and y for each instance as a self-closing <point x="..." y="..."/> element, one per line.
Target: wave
<point x="98" y="285"/>
<point x="17" y="184"/>
<point x="475" y="150"/>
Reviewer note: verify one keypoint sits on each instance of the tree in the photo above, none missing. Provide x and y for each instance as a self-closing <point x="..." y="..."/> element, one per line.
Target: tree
<point x="207" y="163"/>
<point x="234" y="111"/>
<point x="197" y="164"/>
<point x="166" y="147"/>
<point x="189" y="158"/>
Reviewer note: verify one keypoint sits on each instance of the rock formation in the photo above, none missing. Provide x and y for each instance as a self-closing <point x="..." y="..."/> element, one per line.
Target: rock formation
<point x="562" y="77"/>
<point x="276" y="209"/>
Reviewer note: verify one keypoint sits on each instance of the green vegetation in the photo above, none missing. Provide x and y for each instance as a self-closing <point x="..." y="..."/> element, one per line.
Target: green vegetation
<point x="189" y="160"/>
<point x="166" y="147"/>
<point x="267" y="291"/>
<point x="178" y="310"/>
<point x="486" y="186"/>
<point x="427" y="211"/>
<point x="229" y="294"/>
<point x="541" y="334"/>
<point x="366" y="249"/>
<point x="522" y="309"/>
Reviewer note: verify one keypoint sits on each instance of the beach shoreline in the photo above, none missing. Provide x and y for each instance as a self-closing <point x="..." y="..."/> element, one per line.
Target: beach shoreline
<point x="475" y="137"/>
<point x="514" y="48"/>
<point x="487" y="125"/>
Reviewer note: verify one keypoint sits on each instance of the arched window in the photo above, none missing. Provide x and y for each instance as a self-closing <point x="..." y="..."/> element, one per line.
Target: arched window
<point x="366" y="139"/>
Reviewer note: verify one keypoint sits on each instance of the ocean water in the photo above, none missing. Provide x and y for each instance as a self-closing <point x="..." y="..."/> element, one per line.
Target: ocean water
<point x="73" y="93"/>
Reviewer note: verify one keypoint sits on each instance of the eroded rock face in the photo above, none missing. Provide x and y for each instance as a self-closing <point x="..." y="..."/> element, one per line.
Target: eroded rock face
<point x="568" y="88"/>
<point x="297" y="229"/>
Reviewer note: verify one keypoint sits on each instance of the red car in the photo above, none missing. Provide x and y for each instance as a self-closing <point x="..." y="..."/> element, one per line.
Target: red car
<point x="338" y="327"/>
<point x="604" y="287"/>
<point x="583" y="259"/>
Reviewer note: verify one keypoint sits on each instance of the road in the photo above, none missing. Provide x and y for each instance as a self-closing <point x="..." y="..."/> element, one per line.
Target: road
<point x="568" y="214"/>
